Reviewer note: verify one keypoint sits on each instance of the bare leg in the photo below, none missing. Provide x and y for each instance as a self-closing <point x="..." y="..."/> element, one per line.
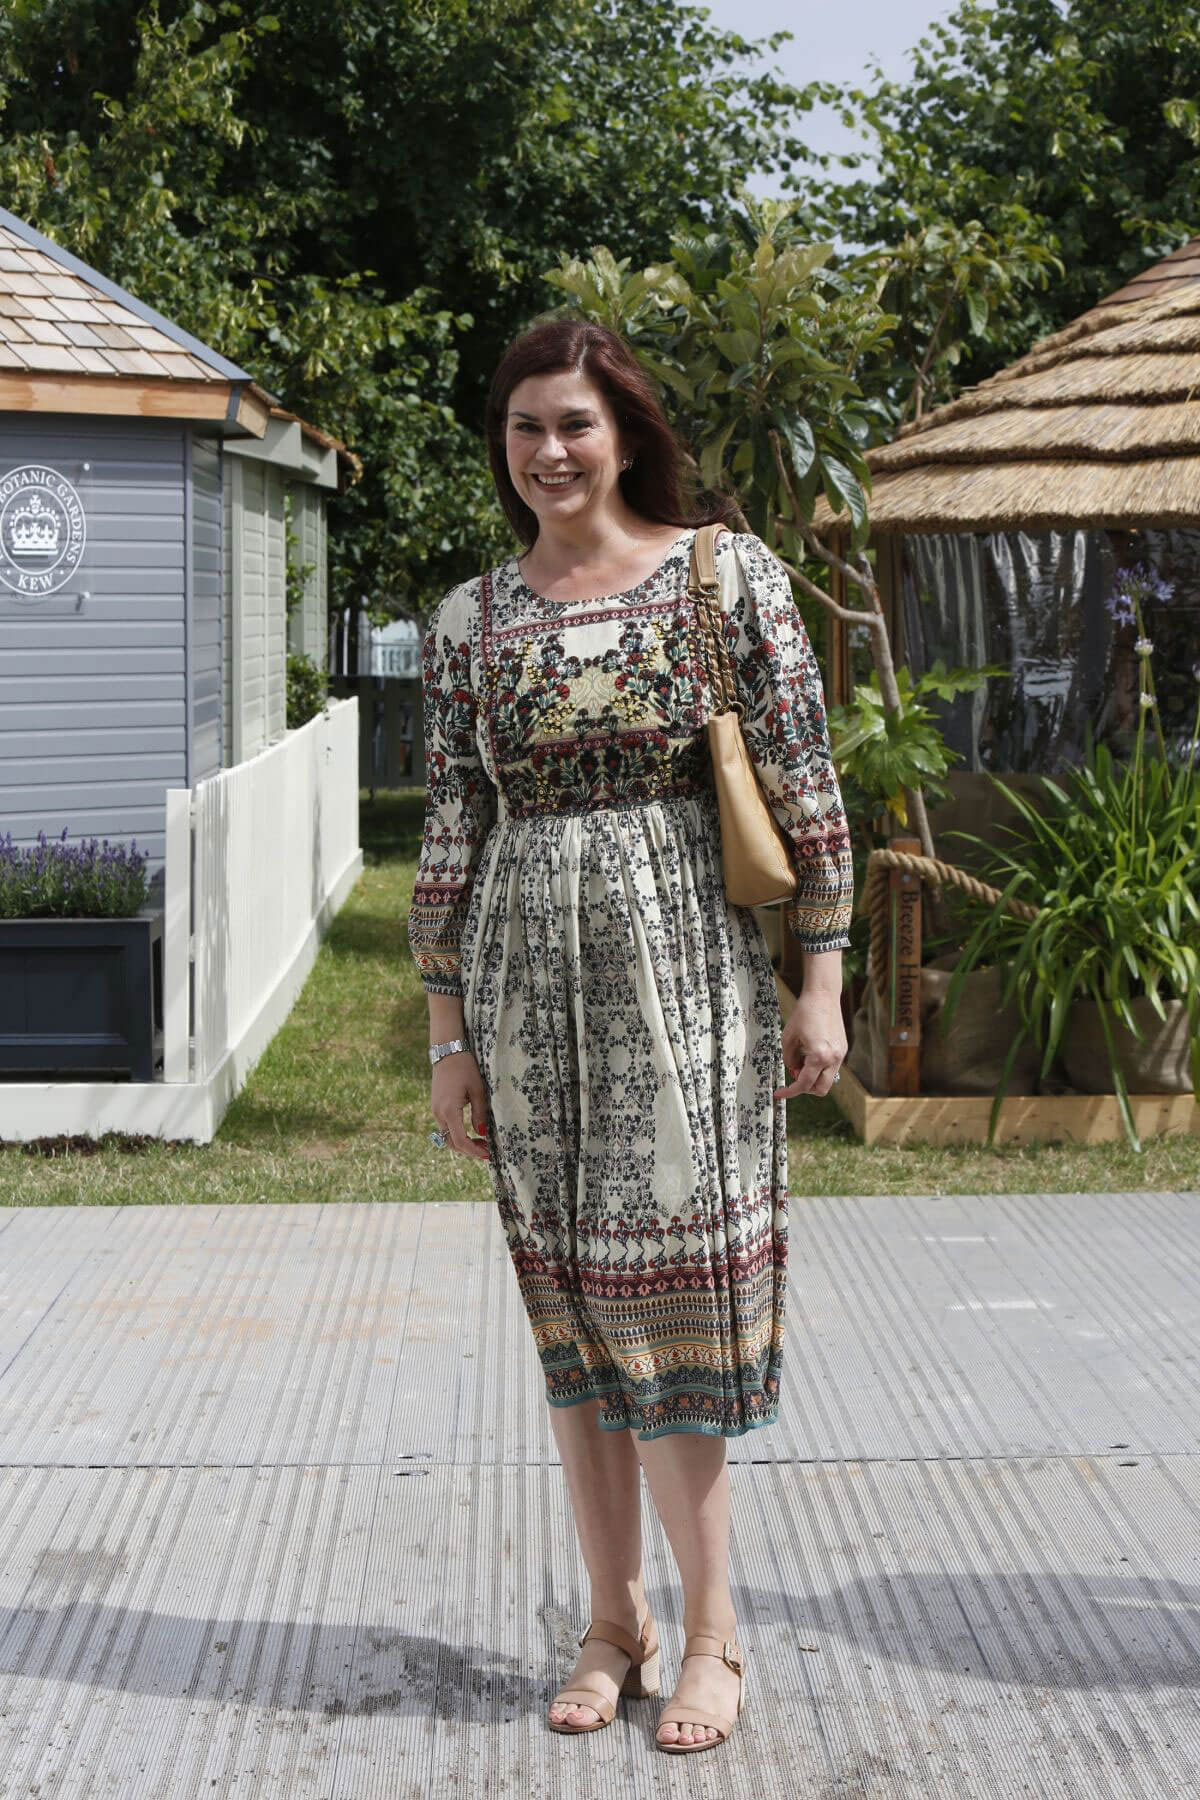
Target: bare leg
<point x="603" y="1479"/>
<point x="688" y="1478"/>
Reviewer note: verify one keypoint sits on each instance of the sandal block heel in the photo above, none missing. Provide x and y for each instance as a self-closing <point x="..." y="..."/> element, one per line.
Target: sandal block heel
<point x="642" y="1681"/>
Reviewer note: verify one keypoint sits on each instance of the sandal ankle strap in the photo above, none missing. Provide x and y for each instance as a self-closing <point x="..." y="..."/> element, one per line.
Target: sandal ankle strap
<point x="639" y="1650"/>
<point x="704" y="1643"/>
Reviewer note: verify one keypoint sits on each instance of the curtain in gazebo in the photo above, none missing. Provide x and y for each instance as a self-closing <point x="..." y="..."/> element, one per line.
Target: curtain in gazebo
<point x="1035" y="603"/>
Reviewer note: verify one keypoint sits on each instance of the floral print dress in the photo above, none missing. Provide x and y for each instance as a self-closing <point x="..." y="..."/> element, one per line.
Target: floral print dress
<point x="624" y="1014"/>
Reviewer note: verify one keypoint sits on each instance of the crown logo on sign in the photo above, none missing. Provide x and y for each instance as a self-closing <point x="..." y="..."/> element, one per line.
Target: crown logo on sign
<point x="35" y="530"/>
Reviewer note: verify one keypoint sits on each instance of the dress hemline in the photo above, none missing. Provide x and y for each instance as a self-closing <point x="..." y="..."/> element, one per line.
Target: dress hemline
<point x="645" y="1437"/>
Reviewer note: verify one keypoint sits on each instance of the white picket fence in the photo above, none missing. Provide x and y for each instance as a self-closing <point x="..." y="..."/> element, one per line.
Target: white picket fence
<point x="271" y="841"/>
<point x="259" y="858"/>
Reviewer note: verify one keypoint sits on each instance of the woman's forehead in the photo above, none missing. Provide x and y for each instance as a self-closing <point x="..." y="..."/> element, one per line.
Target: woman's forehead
<point x="556" y="392"/>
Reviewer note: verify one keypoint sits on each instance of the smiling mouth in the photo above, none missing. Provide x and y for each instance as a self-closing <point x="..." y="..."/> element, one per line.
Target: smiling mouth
<point x="553" y="482"/>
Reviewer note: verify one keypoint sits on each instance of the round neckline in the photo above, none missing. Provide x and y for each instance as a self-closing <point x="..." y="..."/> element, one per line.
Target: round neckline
<point x="598" y="599"/>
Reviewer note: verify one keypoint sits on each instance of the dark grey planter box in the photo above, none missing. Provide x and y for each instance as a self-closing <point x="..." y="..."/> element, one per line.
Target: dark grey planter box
<point x="81" y="997"/>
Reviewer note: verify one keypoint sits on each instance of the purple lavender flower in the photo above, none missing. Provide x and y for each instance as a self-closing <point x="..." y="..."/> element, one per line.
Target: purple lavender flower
<point x="59" y="880"/>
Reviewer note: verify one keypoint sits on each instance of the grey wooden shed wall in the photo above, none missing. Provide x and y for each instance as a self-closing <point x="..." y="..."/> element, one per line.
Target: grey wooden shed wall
<point x="107" y="701"/>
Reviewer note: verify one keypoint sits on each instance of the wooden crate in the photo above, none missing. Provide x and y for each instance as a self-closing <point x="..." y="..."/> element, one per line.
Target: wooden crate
<point x="1024" y="1118"/>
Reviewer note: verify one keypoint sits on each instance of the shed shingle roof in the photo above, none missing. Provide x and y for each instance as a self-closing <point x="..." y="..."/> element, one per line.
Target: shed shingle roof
<point x="59" y="319"/>
<point x="49" y="319"/>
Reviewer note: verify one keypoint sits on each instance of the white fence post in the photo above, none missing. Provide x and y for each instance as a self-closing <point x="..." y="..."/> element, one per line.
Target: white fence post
<point x="177" y="936"/>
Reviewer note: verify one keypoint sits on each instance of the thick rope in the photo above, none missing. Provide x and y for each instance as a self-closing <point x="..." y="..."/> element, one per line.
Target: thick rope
<point x="927" y="868"/>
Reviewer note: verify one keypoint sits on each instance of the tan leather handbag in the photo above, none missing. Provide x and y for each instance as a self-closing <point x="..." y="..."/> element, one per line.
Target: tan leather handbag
<point x="755" y="855"/>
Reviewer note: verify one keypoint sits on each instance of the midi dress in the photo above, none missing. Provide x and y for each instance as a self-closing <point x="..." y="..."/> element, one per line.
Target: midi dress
<point x="623" y="1013"/>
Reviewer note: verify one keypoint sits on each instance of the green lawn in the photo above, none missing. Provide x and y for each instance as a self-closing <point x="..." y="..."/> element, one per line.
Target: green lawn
<point x="337" y="1109"/>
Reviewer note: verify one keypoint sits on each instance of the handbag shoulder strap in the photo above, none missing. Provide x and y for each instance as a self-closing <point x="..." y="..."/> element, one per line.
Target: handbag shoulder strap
<point x="704" y="559"/>
<point x="704" y="587"/>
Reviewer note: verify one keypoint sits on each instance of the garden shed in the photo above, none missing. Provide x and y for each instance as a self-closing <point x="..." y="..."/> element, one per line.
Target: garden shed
<point x="148" y="491"/>
<point x="1001" y="519"/>
<point x="145" y="487"/>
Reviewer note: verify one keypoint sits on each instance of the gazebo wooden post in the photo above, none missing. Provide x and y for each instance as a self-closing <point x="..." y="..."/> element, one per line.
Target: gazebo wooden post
<point x="904" y="975"/>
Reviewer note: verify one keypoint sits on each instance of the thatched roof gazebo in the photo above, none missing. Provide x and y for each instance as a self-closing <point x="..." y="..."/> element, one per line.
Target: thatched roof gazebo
<point x="1001" y="518"/>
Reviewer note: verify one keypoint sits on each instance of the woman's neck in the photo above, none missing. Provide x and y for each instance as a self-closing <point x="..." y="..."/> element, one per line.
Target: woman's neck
<point x="604" y="541"/>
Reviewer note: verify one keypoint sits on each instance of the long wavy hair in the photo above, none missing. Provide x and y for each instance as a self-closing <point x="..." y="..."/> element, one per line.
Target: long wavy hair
<point x="659" y="485"/>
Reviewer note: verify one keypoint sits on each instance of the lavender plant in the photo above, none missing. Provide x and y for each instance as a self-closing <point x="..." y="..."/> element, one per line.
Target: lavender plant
<point x="88" y="880"/>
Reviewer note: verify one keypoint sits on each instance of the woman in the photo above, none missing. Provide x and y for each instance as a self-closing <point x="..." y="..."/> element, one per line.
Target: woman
<point x="611" y="1021"/>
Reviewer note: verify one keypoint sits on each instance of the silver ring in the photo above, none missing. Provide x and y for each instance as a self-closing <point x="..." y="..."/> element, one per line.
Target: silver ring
<point x="439" y="1138"/>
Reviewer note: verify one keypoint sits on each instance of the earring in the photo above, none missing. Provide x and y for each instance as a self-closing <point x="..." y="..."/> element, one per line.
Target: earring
<point x="628" y="463"/>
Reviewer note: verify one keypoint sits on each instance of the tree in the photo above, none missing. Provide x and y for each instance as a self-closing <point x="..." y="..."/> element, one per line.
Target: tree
<point x="1072" y="125"/>
<point x="356" y="203"/>
<point x="761" y="347"/>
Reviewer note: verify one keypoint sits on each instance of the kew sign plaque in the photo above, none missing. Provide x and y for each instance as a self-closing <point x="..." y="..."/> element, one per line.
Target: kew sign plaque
<point x="42" y="531"/>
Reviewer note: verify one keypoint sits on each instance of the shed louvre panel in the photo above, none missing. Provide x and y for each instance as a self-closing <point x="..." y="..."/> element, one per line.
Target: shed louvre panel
<point x="207" y="603"/>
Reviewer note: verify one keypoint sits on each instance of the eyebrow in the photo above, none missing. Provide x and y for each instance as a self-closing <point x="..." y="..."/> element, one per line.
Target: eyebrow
<point x="572" y="412"/>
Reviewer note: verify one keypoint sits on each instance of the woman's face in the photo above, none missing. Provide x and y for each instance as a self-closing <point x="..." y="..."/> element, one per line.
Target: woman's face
<point x="563" y="445"/>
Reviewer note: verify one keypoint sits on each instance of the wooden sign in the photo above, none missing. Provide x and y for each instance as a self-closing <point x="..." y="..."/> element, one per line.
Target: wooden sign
<point x="904" y="975"/>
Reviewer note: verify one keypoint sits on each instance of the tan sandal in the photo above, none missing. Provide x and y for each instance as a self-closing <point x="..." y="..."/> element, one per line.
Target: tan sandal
<point x="641" y="1678"/>
<point x="702" y="1643"/>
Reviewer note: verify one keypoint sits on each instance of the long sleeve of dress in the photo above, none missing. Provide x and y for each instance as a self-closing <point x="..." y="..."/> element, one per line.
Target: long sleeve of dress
<point x="461" y="801"/>
<point x="778" y="680"/>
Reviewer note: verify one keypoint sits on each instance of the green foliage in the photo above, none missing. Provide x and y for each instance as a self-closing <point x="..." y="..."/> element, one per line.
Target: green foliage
<point x="355" y="203"/>
<point x="1112" y="863"/>
<point x="943" y="284"/>
<point x="1069" y="125"/>
<point x="748" y="330"/>
<point x="885" y="751"/>
<point x="307" y="690"/>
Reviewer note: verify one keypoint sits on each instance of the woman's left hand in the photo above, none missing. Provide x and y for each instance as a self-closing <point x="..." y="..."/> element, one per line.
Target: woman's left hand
<point x="814" y="1043"/>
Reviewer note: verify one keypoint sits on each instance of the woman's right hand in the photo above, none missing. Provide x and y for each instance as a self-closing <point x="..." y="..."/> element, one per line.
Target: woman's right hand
<point x="457" y="1084"/>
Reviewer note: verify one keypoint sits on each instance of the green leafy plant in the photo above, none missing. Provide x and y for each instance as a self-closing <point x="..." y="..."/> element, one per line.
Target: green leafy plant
<point x="752" y="333"/>
<point x="761" y="348"/>
<point x="307" y="690"/>
<point x="1113" y="866"/>
<point x="888" y="751"/>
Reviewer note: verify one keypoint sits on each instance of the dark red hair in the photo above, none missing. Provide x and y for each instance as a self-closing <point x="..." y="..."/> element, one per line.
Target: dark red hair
<point x="658" y="485"/>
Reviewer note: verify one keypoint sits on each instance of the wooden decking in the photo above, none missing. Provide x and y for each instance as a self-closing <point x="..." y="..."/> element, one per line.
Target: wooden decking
<point x="280" y="1513"/>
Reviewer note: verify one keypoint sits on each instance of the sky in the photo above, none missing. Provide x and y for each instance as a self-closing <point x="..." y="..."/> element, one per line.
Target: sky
<point x="831" y="42"/>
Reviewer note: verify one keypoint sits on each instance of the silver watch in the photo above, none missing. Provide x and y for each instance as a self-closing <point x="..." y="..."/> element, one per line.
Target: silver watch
<point x="437" y="1051"/>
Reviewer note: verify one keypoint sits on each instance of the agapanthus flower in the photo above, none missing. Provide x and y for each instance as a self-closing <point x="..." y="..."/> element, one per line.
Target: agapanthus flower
<point x="1143" y="646"/>
<point x="1146" y="699"/>
<point x="1139" y="584"/>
